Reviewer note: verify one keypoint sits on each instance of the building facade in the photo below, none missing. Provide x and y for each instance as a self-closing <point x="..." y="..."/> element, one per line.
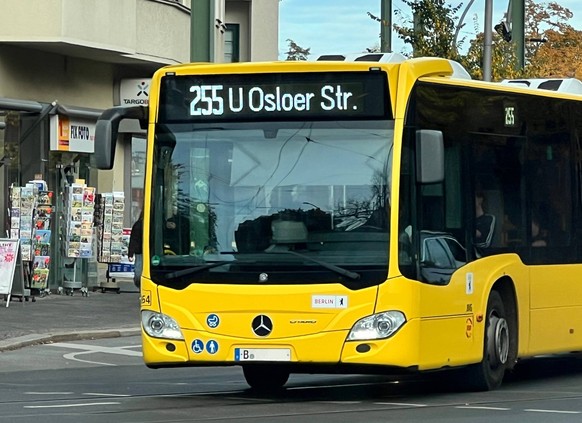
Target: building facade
<point x="62" y="62"/>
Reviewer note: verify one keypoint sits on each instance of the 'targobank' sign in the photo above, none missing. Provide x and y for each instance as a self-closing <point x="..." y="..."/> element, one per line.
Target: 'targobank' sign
<point x="134" y="92"/>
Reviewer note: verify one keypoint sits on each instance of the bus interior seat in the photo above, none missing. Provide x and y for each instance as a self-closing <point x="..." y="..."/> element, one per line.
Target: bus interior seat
<point x="494" y="207"/>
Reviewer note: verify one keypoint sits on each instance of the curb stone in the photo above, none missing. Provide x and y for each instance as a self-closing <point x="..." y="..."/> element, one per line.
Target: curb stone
<point x="37" y="339"/>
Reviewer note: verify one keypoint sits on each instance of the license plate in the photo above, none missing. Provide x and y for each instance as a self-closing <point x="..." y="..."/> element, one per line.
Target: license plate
<point x="262" y="354"/>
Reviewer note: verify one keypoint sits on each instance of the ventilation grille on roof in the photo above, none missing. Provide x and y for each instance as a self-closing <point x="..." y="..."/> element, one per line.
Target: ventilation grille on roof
<point x="364" y="57"/>
<point x="562" y="85"/>
<point x="331" y="57"/>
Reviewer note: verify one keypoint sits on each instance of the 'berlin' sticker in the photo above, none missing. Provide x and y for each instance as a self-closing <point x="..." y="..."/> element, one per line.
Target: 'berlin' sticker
<point x="329" y="301"/>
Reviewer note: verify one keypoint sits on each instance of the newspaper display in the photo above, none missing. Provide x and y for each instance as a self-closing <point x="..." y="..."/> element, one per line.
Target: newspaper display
<point x="30" y="213"/>
<point x="113" y="238"/>
<point x="22" y="205"/>
<point x="80" y="209"/>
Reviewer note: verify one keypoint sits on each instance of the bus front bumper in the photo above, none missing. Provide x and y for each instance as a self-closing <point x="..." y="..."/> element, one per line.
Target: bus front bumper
<point x="201" y="348"/>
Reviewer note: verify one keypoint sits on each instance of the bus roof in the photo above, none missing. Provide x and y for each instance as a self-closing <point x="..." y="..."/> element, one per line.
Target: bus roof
<point x="458" y="70"/>
<point x="562" y="85"/>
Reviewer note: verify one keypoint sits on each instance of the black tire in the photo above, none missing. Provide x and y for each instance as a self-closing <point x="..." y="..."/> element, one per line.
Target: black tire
<point x="488" y="374"/>
<point x="266" y="378"/>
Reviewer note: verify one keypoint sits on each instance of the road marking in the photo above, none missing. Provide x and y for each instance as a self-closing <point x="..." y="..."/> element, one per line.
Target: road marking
<point x="47" y="393"/>
<point x="341" y="402"/>
<point x="93" y="349"/>
<point x="97" y="394"/>
<point x="401" y="404"/>
<point x="73" y="357"/>
<point x="533" y="410"/>
<point x="477" y="407"/>
<point x="99" y="349"/>
<point x="88" y="404"/>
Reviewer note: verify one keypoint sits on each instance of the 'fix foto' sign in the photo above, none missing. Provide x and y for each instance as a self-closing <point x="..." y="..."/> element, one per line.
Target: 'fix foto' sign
<point x="72" y="134"/>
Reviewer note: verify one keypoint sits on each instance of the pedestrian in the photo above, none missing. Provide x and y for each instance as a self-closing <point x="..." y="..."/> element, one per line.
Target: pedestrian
<point x="135" y="251"/>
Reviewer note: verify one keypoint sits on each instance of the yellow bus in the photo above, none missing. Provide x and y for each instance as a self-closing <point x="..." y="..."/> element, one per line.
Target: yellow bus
<point x="376" y="215"/>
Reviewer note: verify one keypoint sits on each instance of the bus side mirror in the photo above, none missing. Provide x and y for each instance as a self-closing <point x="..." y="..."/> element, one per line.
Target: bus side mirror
<point x="430" y="156"/>
<point x="106" y="131"/>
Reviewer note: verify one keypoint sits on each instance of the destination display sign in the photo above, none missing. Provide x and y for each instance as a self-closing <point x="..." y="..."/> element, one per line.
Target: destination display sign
<point x="281" y="96"/>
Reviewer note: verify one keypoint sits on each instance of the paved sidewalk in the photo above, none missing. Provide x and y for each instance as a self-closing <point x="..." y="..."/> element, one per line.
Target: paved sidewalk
<point x="63" y="317"/>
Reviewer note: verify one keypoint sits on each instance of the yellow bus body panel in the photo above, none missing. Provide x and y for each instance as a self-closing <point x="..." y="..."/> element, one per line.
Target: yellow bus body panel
<point x="556" y="309"/>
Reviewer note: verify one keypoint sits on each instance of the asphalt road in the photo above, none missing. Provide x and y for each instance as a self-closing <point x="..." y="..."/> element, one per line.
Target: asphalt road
<point x="105" y="381"/>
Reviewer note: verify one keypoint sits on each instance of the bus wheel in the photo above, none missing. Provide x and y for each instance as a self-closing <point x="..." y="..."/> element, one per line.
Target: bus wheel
<point x="488" y="374"/>
<point x="265" y="378"/>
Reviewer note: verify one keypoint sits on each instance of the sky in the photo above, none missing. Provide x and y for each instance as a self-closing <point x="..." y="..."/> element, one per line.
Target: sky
<point x="343" y="26"/>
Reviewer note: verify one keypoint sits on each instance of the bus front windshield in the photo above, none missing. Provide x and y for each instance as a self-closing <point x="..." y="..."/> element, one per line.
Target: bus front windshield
<point x="271" y="203"/>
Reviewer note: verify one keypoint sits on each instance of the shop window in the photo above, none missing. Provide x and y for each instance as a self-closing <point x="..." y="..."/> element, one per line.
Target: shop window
<point x="232" y="43"/>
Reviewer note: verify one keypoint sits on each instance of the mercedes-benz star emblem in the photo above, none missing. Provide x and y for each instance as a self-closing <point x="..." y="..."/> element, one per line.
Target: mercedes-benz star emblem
<point x="262" y="325"/>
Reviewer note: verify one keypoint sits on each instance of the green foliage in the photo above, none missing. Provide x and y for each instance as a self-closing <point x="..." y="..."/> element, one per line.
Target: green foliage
<point x="503" y="59"/>
<point x="431" y="32"/>
<point x="296" y="52"/>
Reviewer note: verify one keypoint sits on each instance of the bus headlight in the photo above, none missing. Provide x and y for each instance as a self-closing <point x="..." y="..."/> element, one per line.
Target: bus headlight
<point x="159" y="325"/>
<point x="377" y="326"/>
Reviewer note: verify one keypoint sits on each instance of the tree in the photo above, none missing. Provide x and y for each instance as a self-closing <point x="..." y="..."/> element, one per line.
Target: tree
<point x="432" y="30"/>
<point x="503" y="59"/>
<point x="553" y="47"/>
<point x="296" y="52"/>
<point x="560" y="53"/>
<point x="560" y="56"/>
<point x="542" y="19"/>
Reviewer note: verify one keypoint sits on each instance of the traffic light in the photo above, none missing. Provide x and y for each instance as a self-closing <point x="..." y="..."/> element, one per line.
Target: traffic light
<point x="503" y="29"/>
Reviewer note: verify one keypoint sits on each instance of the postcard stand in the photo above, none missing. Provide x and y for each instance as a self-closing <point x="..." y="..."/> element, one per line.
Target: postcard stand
<point x="79" y="211"/>
<point x="112" y="239"/>
<point x="41" y="242"/>
<point x="30" y="217"/>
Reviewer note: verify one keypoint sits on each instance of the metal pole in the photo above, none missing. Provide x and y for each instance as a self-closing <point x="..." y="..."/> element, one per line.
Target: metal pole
<point x="417" y="30"/>
<point x="386" y="26"/>
<point x="518" y="30"/>
<point x="488" y="40"/>
<point x="461" y="20"/>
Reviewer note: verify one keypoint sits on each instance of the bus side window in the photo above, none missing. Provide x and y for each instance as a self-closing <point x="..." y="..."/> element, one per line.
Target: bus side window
<point x="433" y="218"/>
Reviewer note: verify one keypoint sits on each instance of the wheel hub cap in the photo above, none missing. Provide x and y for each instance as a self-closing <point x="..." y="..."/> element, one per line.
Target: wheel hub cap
<point x="498" y="341"/>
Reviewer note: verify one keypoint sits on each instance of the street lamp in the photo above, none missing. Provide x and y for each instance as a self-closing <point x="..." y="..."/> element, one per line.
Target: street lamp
<point x="488" y="42"/>
<point x="386" y="26"/>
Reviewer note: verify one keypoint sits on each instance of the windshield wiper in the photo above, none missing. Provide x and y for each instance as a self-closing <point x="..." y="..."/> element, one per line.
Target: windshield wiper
<point x="329" y="266"/>
<point x="196" y="269"/>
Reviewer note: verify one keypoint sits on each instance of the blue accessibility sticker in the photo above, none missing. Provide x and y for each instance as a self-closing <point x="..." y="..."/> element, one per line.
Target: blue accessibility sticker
<point x="213" y="321"/>
<point x="197" y="346"/>
<point x="212" y="346"/>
